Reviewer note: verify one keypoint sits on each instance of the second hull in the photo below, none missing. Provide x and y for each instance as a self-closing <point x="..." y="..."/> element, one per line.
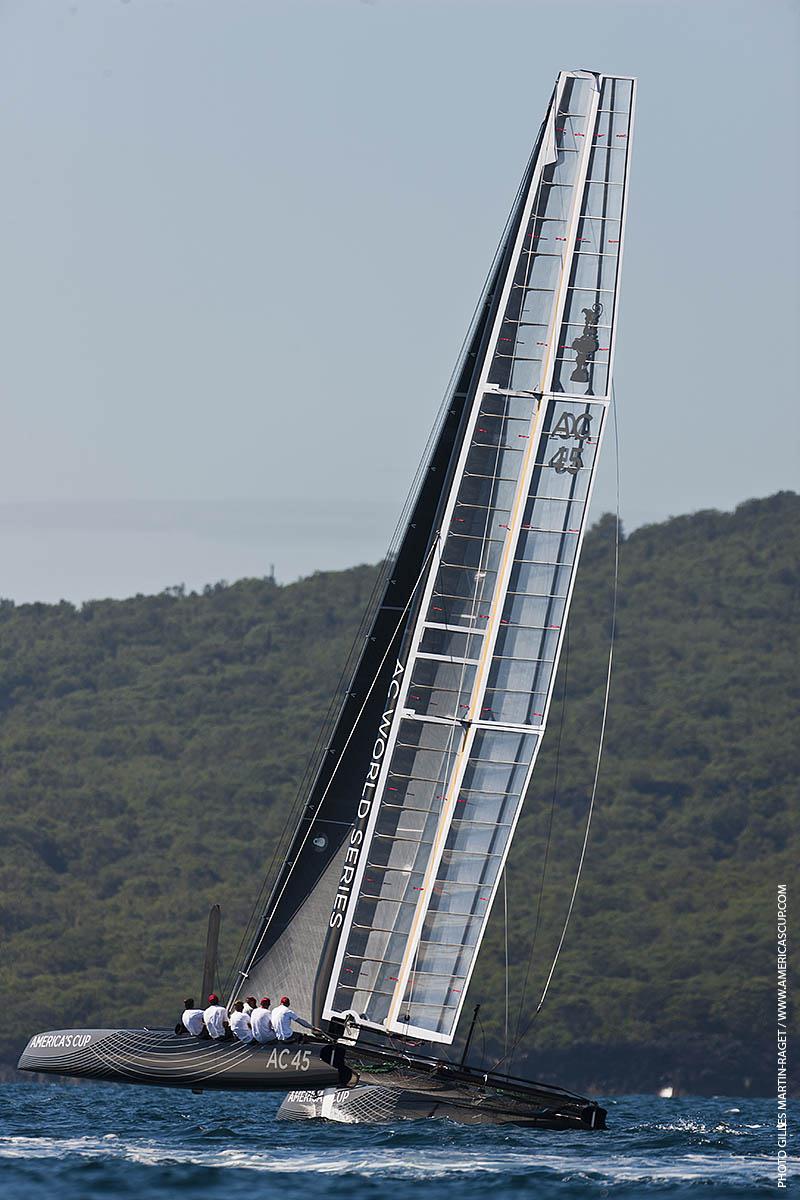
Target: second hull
<point x="381" y="1103"/>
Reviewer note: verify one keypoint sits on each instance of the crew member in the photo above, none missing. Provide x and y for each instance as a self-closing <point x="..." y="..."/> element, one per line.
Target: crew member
<point x="282" y="1017"/>
<point x="249" y="1004"/>
<point x="192" y="1018"/>
<point x="261" y="1022"/>
<point x="239" y="1022"/>
<point x="215" y="1017"/>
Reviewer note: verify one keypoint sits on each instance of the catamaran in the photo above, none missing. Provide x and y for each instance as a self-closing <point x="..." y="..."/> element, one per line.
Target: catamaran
<point x="375" y="912"/>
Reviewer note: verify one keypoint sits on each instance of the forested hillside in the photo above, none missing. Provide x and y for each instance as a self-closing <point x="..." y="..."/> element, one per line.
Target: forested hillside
<point x="151" y="748"/>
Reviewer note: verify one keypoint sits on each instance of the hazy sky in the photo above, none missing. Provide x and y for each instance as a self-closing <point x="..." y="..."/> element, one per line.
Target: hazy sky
<point x="241" y="241"/>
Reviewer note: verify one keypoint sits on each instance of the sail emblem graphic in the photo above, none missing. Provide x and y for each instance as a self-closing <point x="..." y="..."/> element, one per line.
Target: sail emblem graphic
<point x="586" y="345"/>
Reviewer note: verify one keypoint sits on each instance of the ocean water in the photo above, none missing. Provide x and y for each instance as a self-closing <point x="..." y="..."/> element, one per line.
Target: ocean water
<point x="73" y="1142"/>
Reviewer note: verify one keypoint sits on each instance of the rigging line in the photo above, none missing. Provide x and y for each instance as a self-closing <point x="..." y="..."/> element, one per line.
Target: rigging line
<point x="548" y="841"/>
<point x="601" y="738"/>
<point x="404" y="1048"/>
<point x="220" y="975"/>
<point x="483" y="1040"/>
<point x="505" y="930"/>
<point x="311" y="820"/>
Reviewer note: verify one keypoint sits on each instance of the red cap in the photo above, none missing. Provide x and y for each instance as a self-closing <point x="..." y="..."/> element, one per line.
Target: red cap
<point x="284" y="999"/>
<point x="213" y="998"/>
<point x="265" y="1000"/>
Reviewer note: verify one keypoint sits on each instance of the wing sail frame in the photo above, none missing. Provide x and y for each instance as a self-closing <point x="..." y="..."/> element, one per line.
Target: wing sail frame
<point x="478" y="647"/>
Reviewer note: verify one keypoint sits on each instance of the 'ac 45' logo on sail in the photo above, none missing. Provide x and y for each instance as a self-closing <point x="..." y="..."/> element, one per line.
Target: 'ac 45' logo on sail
<point x="353" y="852"/>
<point x="570" y="425"/>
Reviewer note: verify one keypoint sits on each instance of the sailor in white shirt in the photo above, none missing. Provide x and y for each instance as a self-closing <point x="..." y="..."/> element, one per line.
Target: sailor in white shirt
<point x="249" y="1004"/>
<point x="261" y="1022"/>
<point x="192" y="1019"/>
<point x="282" y="1017"/>
<point x="216" y="1017"/>
<point x="240" y="1023"/>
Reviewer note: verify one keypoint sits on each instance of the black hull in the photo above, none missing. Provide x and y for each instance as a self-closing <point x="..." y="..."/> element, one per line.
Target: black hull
<point x="364" y="1086"/>
<point x="157" y="1057"/>
<point x="391" y="1100"/>
<point x="402" y="1087"/>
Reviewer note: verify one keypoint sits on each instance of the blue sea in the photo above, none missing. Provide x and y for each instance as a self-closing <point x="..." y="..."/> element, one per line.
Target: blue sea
<point x="73" y="1142"/>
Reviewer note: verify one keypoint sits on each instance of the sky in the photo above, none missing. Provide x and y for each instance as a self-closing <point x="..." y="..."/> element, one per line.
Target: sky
<point x="241" y="241"/>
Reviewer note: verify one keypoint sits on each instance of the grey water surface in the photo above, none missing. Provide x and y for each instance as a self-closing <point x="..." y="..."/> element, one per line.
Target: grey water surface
<point x="72" y="1142"/>
<point x="91" y="1140"/>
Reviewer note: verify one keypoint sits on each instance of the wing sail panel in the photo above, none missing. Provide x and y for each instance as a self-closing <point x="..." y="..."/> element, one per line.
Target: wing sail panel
<point x="473" y="693"/>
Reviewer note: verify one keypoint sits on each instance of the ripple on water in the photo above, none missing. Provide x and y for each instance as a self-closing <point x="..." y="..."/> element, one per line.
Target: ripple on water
<point x="78" y="1141"/>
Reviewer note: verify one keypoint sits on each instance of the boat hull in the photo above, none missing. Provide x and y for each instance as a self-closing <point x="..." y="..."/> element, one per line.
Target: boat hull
<point x="382" y="1103"/>
<point x="314" y="1074"/>
<point x="160" y="1057"/>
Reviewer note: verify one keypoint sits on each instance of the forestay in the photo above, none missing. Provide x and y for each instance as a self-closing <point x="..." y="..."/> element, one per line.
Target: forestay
<point x="468" y="705"/>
